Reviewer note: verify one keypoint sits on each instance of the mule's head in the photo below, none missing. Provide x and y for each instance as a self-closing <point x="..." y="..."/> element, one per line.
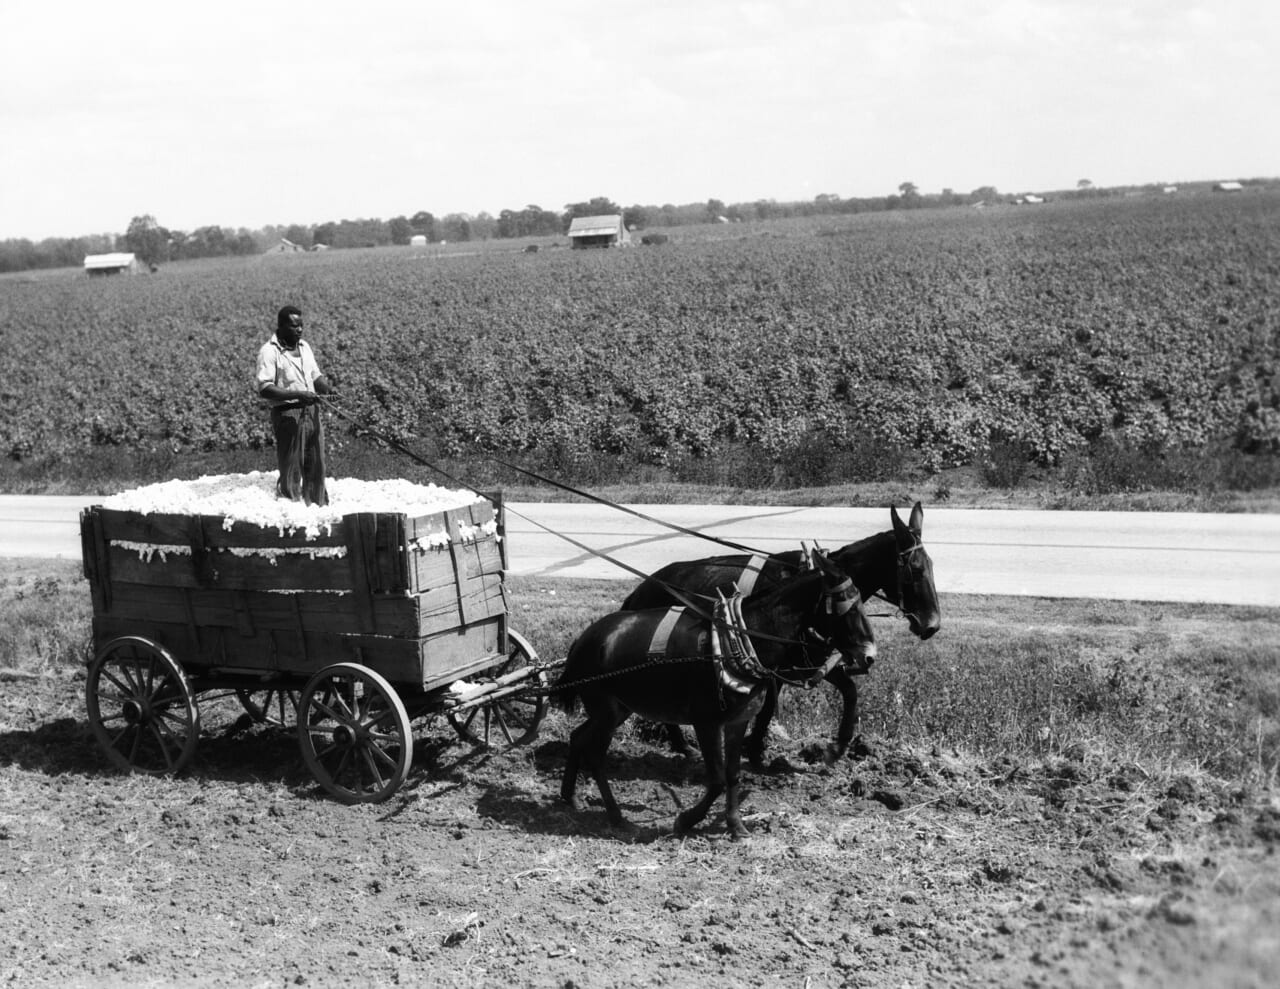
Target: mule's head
<point x="841" y="621"/>
<point x="917" y="596"/>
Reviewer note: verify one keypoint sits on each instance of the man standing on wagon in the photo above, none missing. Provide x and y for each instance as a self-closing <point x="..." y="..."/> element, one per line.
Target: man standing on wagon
<point x="289" y="382"/>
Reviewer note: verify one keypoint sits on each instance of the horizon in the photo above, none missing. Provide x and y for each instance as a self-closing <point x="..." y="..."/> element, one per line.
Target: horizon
<point x="182" y="115"/>
<point x="1021" y="191"/>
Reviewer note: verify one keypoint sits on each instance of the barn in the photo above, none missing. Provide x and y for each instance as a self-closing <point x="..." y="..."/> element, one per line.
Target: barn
<point x="1228" y="187"/>
<point x="286" y="246"/>
<point x="418" y="240"/>
<point x="118" y="263"/>
<point x="599" y="231"/>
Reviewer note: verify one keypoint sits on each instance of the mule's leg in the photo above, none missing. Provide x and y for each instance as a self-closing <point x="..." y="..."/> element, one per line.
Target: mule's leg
<point x="569" y="782"/>
<point x="677" y="742"/>
<point x="840" y="679"/>
<point x="711" y="741"/>
<point x="593" y="751"/>
<point x="733" y="743"/>
<point x="760" y="726"/>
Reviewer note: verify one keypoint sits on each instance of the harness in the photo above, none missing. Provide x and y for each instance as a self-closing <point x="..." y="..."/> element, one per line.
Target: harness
<point x="737" y="665"/>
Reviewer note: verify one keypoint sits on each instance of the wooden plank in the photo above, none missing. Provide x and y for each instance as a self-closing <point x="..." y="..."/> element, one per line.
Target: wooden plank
<point x="436" y="567"/>
<point x="359" y="548"/>
<point x="97" y="566"/>
<point x="399" y="660"/>
<point x="392" y="553"/>
<point x="247" y="613"/>
<point x="158" y="527"/>
<point x="293" y="572"/>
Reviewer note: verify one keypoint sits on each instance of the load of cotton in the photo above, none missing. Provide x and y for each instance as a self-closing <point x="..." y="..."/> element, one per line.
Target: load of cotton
<point x="252" y="498"/>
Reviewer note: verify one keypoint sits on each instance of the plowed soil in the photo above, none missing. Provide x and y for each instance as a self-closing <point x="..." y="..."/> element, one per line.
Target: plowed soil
<point x="898" y="868"/>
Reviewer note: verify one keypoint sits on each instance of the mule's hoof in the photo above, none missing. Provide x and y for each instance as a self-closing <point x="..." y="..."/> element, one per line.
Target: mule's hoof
<point x="686" y="822"/>
<point x="737" y="832"/>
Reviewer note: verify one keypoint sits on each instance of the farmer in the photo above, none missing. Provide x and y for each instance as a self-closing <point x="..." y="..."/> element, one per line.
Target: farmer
<point x="289" y="381"/>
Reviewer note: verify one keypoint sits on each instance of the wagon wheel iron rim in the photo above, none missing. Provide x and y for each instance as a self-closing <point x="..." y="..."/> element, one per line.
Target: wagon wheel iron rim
<point x="141" y="707"/>
<point x="355" y="734"/>
<point x="511" y="720"/>
<point x="270" y="705"/>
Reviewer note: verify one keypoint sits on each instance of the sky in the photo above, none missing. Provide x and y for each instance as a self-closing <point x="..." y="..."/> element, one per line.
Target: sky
<point x="248" y="114"/>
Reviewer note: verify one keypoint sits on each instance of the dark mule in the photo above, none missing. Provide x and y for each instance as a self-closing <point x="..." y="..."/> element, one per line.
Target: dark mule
<point x="893" y="564"/>
<point x="660" y="664"/>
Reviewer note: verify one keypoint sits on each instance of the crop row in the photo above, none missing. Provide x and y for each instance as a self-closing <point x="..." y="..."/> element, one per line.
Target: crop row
<point x="1152" y="321"/>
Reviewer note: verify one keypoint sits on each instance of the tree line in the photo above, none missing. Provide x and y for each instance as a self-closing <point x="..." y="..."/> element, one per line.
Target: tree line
<point x="154" y="244"/>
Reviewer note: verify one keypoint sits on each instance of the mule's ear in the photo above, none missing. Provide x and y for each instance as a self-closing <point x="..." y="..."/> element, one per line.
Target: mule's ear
<point x="917" y="519"/>
<point x="899" y="526"/>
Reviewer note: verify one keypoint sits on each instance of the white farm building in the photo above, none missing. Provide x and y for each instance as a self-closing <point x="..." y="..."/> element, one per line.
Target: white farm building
<point x="599" y="231"/>
<point x="118" y="263"/>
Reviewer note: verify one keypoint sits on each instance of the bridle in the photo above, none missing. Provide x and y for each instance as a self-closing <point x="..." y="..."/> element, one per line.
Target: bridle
<point x="837" y="601"/>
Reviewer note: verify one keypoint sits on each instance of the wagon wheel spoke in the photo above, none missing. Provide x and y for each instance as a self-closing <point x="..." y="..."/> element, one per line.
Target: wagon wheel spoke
<point x="517" y="715"/>
<point x="121" y="689"/>
<point x="141" y="708"/>
<point x="354" y="733"/>
<point x="269" y="705"/>
<point x="162" y="741"/>
<point x="496" y="714"/>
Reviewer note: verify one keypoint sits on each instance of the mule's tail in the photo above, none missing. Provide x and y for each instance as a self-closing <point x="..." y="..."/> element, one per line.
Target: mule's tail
<point x="564" y="692"/>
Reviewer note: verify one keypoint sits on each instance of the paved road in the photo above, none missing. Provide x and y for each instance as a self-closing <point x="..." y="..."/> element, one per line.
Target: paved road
<point x="1225" y="559"/>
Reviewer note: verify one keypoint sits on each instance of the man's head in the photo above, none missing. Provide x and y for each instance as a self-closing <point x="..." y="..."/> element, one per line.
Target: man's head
<point x="289" y="325"/>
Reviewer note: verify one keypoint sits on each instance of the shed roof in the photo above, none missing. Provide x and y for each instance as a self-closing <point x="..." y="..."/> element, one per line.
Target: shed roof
<point x="594" y="226"/>
<point x="119" y="259"/>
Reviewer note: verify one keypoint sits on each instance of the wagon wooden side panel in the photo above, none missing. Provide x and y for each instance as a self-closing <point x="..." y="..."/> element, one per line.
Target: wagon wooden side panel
<point x="420" y="600"/>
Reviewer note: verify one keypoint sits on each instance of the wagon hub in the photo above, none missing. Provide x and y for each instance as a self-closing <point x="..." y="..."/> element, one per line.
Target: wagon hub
<point x="135" y="712"/>
<point x="345" y="735"/>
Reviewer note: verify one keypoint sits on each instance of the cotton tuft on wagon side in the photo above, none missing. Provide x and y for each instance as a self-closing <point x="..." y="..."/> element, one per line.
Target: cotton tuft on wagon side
<point x="363" y="613"/>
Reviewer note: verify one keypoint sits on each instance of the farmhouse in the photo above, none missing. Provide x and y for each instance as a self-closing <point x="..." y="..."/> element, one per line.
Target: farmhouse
<point x="418" y="240"/>
<point x="1228" y="187"/>
<point x="286" y="246"/>
<point x="598" y="231"/>
<point x="119" y="263"/>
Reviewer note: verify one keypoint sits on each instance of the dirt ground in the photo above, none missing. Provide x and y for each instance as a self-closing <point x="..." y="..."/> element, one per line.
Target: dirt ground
<point x="894" y="869"/>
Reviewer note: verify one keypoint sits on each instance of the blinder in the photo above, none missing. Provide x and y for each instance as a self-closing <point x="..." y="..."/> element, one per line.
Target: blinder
<point x="842" y="598"/>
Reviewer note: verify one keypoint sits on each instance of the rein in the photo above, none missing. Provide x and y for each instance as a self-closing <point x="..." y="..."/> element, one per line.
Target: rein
<point x="401" y="448"/>
<point x="843" y="603"/>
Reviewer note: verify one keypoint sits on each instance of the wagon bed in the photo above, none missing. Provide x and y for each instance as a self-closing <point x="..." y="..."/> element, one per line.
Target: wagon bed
<point x="356" y="630"/>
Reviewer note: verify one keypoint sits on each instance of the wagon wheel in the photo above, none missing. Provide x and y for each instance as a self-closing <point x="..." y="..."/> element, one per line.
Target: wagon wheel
<point x="141" y="707"/>
<point x="270" y="705"/>
<point x="512" y="720"/>
<point x="354" y="733"/>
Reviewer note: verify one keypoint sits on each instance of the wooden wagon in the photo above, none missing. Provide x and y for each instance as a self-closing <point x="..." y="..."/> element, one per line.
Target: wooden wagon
<point x="355" y="633"/>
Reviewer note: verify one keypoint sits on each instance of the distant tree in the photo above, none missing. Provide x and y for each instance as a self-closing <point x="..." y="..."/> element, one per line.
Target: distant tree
<point x="147" y="239"/>
<point x="635" y="217"/>
<point x="324" y="233"/>
<point x="483" y="226"/>
<point x="908" y="191"/>
<point x="298" y="234"/>
<point x="715" y="209"/>
<point x="984" y="194"/>
<point x="423" y="223"/>
<point x="456" y="227"/>
<point x="599" y="206"/>
<point x="1084" y="184"/>
<point x="532" y="221"/>
<point x="245" y="243"/>
<point x="400" y="229"/>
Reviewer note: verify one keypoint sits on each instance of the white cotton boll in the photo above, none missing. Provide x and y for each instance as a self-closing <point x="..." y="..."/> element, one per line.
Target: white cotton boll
<point x="251" y="498"/>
